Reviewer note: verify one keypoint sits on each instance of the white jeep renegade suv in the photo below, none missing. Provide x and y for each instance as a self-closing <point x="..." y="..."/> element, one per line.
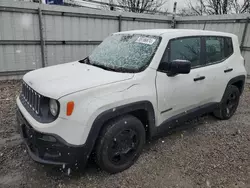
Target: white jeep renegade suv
<point x="134" y="86"/>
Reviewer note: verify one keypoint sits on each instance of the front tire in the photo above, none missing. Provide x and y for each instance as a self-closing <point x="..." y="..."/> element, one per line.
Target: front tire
<point x="229" y="103"/>
<point x="120" y="144"/>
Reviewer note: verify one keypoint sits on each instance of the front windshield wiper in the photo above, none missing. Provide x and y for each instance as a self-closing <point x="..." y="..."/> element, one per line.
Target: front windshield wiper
<point x="104" y="67"/>
<point x="86" y="60"/>
<point x="96" y="64"/>
<point x="93" y="63"/>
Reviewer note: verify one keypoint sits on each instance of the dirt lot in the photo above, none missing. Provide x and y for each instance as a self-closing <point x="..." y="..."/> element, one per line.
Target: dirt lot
<point x="208" y="153"/>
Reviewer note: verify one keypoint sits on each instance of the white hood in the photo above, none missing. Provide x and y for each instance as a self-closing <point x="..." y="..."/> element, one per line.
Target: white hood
<point x="57" y="81"/>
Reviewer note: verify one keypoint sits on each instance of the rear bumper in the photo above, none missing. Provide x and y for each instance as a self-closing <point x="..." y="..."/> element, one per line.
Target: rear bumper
<point x="50" y="148"/>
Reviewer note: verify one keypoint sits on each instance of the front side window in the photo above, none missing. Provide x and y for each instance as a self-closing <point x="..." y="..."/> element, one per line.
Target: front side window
<point x="186" y="49"/>
<point x="125" y="53"/>
<point x="215" y="50"/>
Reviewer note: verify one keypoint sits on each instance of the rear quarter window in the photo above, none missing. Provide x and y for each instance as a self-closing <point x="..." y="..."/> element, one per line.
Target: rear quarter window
<point x="229" y="50"/>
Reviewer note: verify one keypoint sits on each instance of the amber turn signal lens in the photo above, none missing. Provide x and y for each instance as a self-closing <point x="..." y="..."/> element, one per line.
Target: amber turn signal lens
<point x="70" y="108"/>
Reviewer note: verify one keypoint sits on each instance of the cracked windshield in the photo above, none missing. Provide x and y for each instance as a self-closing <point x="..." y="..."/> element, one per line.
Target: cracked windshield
<point x="124" y="93"/>
<point x="125" y="52"/>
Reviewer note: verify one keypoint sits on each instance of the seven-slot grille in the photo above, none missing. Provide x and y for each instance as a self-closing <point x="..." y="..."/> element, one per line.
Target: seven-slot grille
<point x="31" y="97"/>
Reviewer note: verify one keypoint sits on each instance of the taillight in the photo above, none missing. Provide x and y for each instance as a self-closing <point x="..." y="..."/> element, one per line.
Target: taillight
<point x="244" y="62"/>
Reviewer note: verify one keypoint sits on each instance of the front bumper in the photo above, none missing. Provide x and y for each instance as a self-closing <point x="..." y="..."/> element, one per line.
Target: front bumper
<point x="50" y="148"/>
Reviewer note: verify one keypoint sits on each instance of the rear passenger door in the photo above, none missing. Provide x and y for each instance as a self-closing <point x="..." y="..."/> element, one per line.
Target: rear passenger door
<point x="217" y="68"/>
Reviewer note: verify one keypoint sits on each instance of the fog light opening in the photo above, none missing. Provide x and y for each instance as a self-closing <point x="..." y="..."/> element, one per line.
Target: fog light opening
<point x="47" y="138"/>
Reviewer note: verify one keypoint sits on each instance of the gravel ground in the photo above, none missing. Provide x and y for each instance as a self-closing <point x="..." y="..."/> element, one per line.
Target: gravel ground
<point x="207" y="153"/>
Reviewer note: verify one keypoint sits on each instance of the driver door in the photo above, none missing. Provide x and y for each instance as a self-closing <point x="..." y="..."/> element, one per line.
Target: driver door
<point x="183" y="92"/>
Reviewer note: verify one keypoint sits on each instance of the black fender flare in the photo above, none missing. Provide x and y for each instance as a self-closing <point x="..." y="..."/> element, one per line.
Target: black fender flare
<point x="115" y="112"/>
<point x="236" y="79"/>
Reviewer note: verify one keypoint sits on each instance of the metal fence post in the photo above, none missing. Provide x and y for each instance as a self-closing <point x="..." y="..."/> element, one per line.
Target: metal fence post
<point x="205" y="24"/>
<point x="244" y="33"/>
<point x="120" y="23"/>
<point x="42" y="42"/>
<point x="173" y="18"/>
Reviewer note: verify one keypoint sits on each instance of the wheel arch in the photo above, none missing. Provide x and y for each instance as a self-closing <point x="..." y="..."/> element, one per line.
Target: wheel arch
<point x="238" y="81"/>
<point x="138" y="109"/>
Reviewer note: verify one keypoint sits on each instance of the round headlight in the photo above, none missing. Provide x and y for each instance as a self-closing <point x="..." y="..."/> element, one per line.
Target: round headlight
<point x="53" y="107"/>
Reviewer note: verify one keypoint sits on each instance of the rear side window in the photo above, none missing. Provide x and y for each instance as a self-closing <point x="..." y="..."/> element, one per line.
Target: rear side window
<point x="186" y="49"/>
<point x="214" y="49"/>
<point x="218" y="49"/>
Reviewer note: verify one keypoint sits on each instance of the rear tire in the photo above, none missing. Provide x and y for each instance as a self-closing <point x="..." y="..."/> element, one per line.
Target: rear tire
<point x="229" y="103"/>
<point x="120" y="144"/>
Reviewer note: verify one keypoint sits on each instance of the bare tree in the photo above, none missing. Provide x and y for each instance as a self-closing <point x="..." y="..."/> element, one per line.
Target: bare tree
<point x="240" y="8"/>
<point x="141" y="6"/>
<point x="138" y="6"/>
<point x="186" y="12"/>
<point x="196" y="8"/>
<point x="215" y="7"/>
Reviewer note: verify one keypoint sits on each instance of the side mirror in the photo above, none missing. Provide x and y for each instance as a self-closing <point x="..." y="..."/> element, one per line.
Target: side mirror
<point x="179" y="67"/>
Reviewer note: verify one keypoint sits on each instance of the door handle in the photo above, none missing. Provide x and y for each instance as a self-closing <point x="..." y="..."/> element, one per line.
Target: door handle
<point x="228" y="70"/>
<point x="199" y="78"/>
